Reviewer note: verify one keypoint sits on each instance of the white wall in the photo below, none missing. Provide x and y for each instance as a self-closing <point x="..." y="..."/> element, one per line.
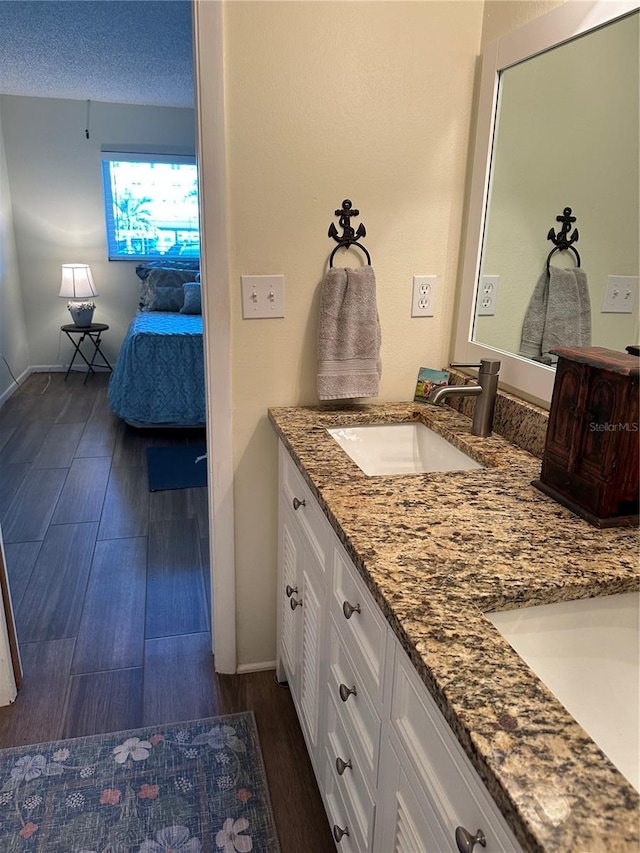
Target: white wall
<point x="13" y="335"/>
<point x="325" y="101"/>
<point x="58" y="213"/>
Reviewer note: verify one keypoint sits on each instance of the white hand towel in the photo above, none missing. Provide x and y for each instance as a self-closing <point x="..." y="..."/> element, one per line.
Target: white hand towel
<point x="349" y="335"/>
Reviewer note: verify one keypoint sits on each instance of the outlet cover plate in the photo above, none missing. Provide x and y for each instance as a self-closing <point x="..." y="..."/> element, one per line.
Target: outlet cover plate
<point x="424" y="295"/>
<point x="262" y="297"/>
<point x="487" y="295"/>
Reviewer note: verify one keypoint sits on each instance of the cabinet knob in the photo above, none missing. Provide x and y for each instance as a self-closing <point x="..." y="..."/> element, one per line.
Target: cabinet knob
<point x="297" y="504"/>
<point x="350" y="609"/>
<point x="290" y="590"/>
<point x="295" y="602"/>
<point x="345" y="692"/>
<point x="338" y="833"/>
<point x="466" y="842"/>
<point x="341" y="765"/>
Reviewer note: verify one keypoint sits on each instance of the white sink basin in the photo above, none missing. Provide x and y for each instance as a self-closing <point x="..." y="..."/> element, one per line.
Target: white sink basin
<point x="586" y="652"/>
<point x="405" y="448"/>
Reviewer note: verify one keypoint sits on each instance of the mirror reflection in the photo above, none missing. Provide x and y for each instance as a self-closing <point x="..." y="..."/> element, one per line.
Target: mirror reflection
<point x="567" y="136"/>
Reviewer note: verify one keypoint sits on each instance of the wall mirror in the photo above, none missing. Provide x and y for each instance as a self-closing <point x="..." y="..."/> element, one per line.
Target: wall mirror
<point x="557" y="127"/>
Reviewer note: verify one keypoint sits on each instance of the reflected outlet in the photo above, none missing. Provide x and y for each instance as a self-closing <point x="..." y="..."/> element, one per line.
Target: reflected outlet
<point x="487" y="295"/>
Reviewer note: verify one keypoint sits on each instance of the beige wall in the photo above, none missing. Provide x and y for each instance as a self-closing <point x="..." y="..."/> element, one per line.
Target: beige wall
<point x="502" y="16"/>
<point x="326" y="101"/>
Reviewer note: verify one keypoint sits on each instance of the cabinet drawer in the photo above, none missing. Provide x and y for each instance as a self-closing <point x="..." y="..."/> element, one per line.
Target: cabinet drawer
<point x="459" y="796"/>
<point x="344" y="826"/>
<point x="365" y="630"/>
<point x="298" y="496"/>
<point x="359" y="715"/>
<point x="352" y="782"/>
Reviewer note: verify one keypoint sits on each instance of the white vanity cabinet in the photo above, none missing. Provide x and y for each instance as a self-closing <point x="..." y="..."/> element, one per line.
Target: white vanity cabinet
<point x="302" y="600"/>
<point x="429" y="789"/>
<point x="393" y="777"/>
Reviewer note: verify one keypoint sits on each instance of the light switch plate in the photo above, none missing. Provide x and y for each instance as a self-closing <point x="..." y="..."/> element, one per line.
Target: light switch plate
<point x="262" y="296"/>
<point x="620" y="294"/>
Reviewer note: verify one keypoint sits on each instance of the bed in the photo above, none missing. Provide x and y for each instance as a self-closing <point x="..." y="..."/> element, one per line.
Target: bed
<point x="158" y="379"/>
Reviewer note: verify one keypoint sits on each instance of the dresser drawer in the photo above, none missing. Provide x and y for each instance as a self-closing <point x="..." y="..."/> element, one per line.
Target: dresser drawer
<point x="352" y="778"/>
<point x="359" y="715"/>
<point x="359" y="621"/>
<point x="457" y="792"/>
<point x="308" y="515"/>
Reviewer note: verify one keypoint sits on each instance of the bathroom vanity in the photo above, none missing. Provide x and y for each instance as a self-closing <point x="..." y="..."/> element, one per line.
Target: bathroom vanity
<point x="420" y="720"/>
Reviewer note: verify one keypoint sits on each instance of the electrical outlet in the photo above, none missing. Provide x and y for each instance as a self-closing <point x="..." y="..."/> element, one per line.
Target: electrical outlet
<point x="487" y="295"/>
<point x="262" y="296"/>
<point x="424" y="293"/>
<point x="620" y="294"/>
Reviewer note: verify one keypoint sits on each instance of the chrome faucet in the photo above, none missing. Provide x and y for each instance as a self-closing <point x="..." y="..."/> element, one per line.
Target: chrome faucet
<point x="485" y="391"/>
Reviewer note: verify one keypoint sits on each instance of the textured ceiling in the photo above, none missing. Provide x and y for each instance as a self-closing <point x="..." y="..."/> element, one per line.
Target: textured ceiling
<point x="122" y="51"/>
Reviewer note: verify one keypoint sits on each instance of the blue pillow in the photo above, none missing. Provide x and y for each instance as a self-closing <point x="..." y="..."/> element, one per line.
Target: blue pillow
<point x="192" y="298"/>
<point x="165" y="299"/>
<point x="162" y="278"/>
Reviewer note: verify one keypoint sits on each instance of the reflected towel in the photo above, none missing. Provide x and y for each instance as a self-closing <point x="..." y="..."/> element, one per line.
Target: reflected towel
<point x="349" y="335"/>
<point x="558" y="315"/>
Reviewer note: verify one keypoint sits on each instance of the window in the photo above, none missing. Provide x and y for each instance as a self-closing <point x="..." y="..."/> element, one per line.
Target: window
<point x="151" y="206"/>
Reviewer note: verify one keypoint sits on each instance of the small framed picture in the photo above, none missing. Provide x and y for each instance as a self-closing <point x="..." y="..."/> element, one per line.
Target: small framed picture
<point x="429" y="379"/>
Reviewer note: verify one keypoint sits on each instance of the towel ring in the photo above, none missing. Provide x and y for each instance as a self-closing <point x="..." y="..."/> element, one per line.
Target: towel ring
<point x="346" y="246"/>
<point x="559" y="249"/>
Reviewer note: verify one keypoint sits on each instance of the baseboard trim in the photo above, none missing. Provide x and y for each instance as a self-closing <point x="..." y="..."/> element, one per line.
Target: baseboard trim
<point x="11" y="390"/>
<point x="256" y="667"/>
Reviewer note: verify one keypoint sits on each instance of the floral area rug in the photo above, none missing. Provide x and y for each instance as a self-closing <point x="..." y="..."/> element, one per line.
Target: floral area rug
<point x="181" y="788"/>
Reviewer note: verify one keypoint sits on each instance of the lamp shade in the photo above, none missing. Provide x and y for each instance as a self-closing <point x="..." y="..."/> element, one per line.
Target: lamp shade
<point x="77" y="282"/>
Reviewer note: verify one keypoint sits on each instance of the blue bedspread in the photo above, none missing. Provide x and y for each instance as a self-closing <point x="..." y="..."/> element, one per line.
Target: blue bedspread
<point x="159" y="375"/>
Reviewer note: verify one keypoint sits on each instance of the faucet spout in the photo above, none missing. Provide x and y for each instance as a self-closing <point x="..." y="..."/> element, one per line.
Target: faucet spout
<point x="486" y="391"/>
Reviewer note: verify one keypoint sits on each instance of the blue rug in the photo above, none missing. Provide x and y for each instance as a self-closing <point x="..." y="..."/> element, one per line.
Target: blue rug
<point x="193" y="787"/>
<point x="175" y="467"/>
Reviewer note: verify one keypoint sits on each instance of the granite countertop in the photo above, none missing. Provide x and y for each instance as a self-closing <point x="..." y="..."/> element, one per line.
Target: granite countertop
<point x="440" y="550"/>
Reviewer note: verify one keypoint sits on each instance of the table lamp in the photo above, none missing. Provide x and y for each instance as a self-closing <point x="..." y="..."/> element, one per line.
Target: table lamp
<point x="77" y="284"/>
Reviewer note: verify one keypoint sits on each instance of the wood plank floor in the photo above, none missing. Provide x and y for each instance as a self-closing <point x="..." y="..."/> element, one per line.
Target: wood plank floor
<point x="111" y="592"/>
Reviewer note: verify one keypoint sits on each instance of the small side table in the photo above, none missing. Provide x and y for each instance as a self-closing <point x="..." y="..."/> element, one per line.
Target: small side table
<point x="93" y="332"/>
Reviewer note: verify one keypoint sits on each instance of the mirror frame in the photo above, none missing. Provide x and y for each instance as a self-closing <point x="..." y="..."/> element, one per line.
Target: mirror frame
<point x="525" y="378"/>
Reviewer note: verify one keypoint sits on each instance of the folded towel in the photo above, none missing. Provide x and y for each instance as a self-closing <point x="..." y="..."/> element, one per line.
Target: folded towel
<point x="559" y="314"/>
<point x="348" y="335"/>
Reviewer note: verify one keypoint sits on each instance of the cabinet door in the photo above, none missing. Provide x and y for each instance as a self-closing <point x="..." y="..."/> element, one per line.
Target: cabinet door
<point x="310" y="651"/>
<point x="289" y="589"/>
<point x="406" y="820"/>
<point x="302" y="599"/>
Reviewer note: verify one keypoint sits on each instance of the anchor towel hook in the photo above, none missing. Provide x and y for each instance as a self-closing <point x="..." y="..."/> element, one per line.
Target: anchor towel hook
<point x="349" y="236"/>
<point x="561" y="241"/>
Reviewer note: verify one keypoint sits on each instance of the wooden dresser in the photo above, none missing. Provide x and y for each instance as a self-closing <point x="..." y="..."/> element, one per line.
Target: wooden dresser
<point x="591" y="461"/>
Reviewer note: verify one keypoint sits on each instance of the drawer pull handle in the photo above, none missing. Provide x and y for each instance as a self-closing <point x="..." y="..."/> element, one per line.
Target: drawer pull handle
<point x="466" y="842"/>
<point x="341" y="765"/>
<point x="295" y="602"/>
<point x="345" y="692"/>
<point x="338" y="833"/>
<point x="350" y="609"/>
<point x="297" y="504"/>
<point x="290" y="590"/>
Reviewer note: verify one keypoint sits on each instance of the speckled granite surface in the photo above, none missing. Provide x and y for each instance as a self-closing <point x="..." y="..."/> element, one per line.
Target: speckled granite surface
<point x="438" y="551"/>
